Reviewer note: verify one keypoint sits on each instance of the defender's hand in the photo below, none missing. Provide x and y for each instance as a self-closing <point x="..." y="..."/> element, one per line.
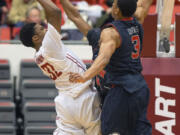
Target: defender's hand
<point x="76" y="78"/>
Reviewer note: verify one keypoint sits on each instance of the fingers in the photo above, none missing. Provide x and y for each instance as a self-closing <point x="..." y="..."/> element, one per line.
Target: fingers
<point x="75" y="78"/>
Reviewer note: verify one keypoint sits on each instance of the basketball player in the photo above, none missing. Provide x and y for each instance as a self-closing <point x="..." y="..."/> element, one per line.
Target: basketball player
<point x="125" y="106"/>
<point x="77" y="105"/>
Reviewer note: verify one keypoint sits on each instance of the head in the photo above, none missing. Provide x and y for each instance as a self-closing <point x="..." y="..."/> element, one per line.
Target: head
<point x="32" y="34"/>
<point x="33" y="15"/>
<point x="123" y="8"/>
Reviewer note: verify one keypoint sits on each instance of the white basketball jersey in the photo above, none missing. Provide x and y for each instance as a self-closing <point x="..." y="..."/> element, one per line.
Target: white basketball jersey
<point x="56" y="61"/>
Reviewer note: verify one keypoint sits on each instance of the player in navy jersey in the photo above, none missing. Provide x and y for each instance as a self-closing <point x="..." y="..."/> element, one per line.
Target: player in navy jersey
<point x="125" y="107"/>
<point x="93" y="34"/>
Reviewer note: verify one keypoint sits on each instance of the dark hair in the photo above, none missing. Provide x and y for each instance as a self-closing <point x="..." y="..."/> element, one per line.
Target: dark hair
<point x="26" y="34"/>
<point x="127" y="7"/>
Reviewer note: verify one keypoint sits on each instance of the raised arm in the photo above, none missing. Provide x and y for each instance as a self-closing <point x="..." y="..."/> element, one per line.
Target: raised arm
<point x="53" y="13"/>
<point x="142" y="9"/>
<point x="74" y="15"/>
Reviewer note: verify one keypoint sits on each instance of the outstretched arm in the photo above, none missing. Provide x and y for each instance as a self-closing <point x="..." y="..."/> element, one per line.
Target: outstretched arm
<point x="142" y="9"/>
<point x="74" y="15"/>
<point x="109" y="42"/>
<point x="53" y="13"/>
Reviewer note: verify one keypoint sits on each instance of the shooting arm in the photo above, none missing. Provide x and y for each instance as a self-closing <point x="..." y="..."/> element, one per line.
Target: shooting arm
<point x="74" y="15"/>
<point x="109" y="41"/>
<point x="53" y="13"/>
<point x="142" y="9"/>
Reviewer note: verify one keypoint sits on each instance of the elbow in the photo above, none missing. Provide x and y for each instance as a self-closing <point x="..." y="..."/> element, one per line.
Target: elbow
<point x="74" y="15"/>
<point x="57" y="11"/>
<point x="105" y="61"/>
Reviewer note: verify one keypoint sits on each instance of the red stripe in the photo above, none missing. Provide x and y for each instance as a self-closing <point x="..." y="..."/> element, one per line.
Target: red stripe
<point x="41" y="104"/>
<point x="1" y="81"/>
<point x="127" y="19"/>
<point x="27" y="60"/>
<point x="50" y="127"/>
<point x="75" y="61"/>
<point x="6" y="104"/>
<point x="3" y="61"/>
<point x="88" y="61"/>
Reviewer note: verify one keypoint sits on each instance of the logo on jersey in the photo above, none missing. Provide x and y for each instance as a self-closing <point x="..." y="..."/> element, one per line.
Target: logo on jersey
<point x="39" y="59"/>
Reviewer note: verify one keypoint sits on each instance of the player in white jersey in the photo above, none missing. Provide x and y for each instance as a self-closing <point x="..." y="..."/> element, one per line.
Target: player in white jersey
<point x="77" y="105"/>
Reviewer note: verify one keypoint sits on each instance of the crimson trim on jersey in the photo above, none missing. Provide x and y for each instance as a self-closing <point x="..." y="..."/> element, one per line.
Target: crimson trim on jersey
<point x="75" y="61"/>
<point x="127" y="19"/>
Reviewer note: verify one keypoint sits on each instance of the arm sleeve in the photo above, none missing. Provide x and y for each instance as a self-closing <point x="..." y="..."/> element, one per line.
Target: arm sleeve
<point x="52" y="44"/>
<point x="2" y="3"/>
<point x="93" y="37"/>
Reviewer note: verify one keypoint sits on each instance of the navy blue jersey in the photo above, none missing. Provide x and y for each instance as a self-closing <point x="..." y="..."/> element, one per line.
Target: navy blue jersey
<point x="126" y="59"/>
<point x="125" y="66"/>
<point x="93" y="37"/>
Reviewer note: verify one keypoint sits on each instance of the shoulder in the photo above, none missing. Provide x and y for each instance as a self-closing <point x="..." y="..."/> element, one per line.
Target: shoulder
<point x="110" y="32"/>
<point x="111" y="35"/>
<point x="52" y="33"/>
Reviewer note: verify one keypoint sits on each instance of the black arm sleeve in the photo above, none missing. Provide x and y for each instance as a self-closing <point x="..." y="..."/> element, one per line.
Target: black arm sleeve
<point x="93" y="37"/>
<point x="2" y="3"/>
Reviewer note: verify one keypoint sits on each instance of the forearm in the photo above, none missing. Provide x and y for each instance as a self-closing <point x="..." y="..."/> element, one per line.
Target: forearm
<point x="145" y="3"/>
<point x="108" y="45"/>
<point x="53" y="13"/>
<point x="98" y="65"/>
<point x="70" y="10"/>
<point x="142" y="9"/>
<point x="74" y="15"/>
<point x="49" y="7"/>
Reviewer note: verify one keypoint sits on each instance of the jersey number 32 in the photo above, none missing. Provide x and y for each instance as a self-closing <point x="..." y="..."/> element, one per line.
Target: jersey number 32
<point x="51" y="70"/>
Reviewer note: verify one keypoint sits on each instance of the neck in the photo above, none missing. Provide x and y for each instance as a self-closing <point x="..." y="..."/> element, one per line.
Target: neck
<point x="120" y="17"/>
<point x="37" y="46"/>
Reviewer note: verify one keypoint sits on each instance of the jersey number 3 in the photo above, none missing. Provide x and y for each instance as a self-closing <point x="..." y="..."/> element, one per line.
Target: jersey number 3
<point x="50" y="69"/>
<point x="136" y="42"/>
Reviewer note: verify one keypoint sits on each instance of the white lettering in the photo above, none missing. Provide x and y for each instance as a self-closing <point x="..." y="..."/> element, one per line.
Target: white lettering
<point x="162" y="108"/>
<point x="165" y="127"/>
<point x="165" y="104"/>
<point x="161" y="88"/>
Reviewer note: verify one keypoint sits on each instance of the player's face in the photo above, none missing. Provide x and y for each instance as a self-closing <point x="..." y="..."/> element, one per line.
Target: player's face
<point x="40" y="32"/>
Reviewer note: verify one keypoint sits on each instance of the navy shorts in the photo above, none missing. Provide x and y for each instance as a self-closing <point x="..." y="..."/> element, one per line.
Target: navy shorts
<point x="125" y="113"/>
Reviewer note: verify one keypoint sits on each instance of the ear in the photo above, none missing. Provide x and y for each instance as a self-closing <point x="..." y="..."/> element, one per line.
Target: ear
<point x="35" y="38"/>
<point x="117" y="11"/>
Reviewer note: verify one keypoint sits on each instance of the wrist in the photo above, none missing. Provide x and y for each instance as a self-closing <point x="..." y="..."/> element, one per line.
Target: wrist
<point x="86" y="76"/>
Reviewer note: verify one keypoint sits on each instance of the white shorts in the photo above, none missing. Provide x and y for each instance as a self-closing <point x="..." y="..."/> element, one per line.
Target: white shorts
<point x="79" y="116"/>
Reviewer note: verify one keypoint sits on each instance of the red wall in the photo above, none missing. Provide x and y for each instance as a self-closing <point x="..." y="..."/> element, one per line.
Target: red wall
<point x="165" y="93"/>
